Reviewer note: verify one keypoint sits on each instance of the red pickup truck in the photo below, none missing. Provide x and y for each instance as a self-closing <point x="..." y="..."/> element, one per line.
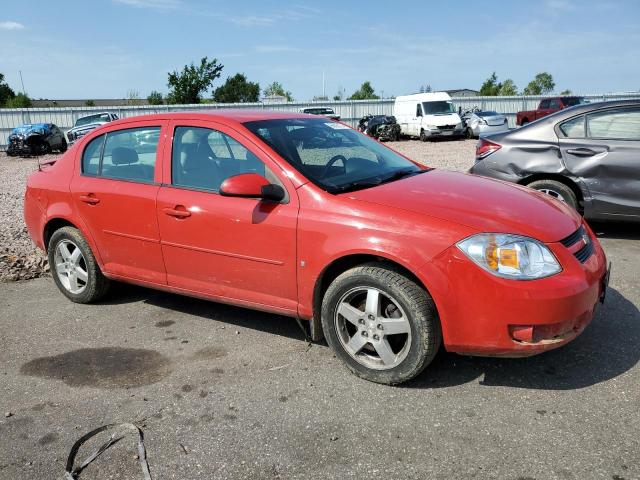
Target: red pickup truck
<point x="547" y="106"/>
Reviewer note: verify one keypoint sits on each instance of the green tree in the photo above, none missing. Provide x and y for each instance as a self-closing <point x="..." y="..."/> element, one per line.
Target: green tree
<point x="566" y="91"/>
<point x="188" y="85"/>
<point x="6" y="92"/>
<point x="508" y="88"/>
<point x="19" y="101"/>
<point x="236" y="90"/>
<point x="155" y="98"/>
<point x="276" y="88"/>
<point x="491" y="87"/>
<point x="365" y="92"/>
<point x="89" y="103"/>
<point x="541" y="85"/>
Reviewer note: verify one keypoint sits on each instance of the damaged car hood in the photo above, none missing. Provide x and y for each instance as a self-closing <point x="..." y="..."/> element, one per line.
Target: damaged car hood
<point x="483" y="204"/>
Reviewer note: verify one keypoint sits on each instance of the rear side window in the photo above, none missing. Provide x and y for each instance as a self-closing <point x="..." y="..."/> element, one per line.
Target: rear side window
<point x="573" y="128"/>
<point x="555" y="103"/>
<point x="131" y="154"/>
<point x="618" y="124"/>
<point x="91" y="156"/>
<point x="544" y="104"/>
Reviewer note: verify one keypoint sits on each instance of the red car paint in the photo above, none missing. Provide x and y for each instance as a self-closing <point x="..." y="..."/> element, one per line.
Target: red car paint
<point x="271" y="256"/>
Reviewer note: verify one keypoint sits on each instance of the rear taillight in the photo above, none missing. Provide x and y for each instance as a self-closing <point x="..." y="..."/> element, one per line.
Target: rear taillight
<point x="486" y="148"/>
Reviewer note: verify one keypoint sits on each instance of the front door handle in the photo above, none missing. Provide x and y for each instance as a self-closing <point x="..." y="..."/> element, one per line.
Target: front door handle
<point x="178" y="212"/>
<point x="90" y="199"/>
<point x="582" y="152"/>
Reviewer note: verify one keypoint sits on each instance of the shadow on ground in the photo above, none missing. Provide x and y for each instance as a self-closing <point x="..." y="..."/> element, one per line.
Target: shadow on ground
<point x="605" y="350"/>
<point x="617" y="230"/>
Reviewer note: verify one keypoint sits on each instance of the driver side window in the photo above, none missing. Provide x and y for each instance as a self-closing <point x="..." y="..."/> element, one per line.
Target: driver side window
<point x="418" y="110"/>
<point x="203" y="158"/>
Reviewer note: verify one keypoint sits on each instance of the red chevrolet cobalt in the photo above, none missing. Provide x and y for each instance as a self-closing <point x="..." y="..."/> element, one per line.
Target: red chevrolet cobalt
<point x="303" y="216"/>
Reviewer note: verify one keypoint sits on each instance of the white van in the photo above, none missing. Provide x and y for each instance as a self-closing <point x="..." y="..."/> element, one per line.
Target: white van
<point x="428" y="115"/>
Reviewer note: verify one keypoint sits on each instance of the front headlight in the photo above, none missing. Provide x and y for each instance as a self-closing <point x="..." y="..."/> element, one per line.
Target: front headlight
<point x="458" y="126"/>
<point x="510" y="256"/>
<point x="432" y="127"/>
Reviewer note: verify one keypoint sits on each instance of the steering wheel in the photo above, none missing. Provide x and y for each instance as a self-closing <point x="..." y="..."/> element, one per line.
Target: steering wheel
<point x="333" y="160"/>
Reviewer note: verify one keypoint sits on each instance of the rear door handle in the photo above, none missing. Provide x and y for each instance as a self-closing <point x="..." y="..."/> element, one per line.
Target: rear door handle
<point x="90" y="199"/>
<point x="178" y="212"/>
<point x="582" y="152"/>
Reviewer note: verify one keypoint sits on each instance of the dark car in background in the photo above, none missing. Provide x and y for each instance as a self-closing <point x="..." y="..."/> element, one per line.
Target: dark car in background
<point x="587" y="156"/>
<point x="35" y="139"/>
<point x="87" y="123"/>
<point x="323" y="111"/>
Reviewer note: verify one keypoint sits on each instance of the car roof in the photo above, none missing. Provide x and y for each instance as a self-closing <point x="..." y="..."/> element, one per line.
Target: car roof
<point x="225" y="115"/>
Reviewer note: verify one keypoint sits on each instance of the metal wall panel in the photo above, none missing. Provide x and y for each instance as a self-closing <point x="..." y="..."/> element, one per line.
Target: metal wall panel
<point x="350" y="111"/>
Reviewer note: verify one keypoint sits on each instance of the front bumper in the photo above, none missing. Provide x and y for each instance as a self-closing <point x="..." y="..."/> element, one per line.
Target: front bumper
<point x="444" y="133"/>
<point x="486" y="315"/>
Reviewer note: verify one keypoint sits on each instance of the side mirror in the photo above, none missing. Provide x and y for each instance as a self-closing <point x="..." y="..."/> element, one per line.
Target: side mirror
<point x="251" y="185"/>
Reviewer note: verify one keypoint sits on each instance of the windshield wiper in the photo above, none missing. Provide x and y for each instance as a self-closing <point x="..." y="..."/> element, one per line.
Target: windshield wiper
<point x="375" y="181"/>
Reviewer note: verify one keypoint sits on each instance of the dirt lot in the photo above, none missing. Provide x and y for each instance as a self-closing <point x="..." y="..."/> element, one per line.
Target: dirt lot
<point x="20" y="260"/>
<point x="228" y="393"/>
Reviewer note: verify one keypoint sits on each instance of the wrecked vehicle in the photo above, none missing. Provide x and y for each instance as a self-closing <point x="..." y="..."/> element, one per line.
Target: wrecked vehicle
<point x="478" y="122"/>
<point x="585" y="156"/>
<point x="36" y="139"/>
<point x="383" y="127"/>
<point x="85" y="124"/>
<point x="323" y="111"/>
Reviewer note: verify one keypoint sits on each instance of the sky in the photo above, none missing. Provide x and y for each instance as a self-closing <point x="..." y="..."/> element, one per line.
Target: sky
<point x="105" y="48"/>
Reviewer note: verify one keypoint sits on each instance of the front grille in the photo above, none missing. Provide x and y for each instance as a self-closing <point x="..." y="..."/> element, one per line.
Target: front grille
<point x="580" y="235"/>
<point x="447" y="127"/>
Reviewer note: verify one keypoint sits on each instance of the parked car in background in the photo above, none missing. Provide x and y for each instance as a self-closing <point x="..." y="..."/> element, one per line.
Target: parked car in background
<point x="546" y="107"/>
<point x="428" y="116"/>
<point x="85" y="124"/>
<point x="323" y="111"/>
<point x="383" y="127"/>
<point x="384" y="257"/>
<point x="587" y="156"/>
<point x="35" y="139"/>
<point x="478" y="122"/>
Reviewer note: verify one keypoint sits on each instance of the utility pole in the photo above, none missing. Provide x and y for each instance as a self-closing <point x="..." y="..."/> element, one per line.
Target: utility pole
<point x="323" y="91"/>
<point x="23" y="92"/>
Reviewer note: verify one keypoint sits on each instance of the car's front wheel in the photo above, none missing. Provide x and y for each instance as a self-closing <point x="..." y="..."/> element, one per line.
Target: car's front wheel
<point x="380" y="323"/>
<point x="74" y="268"/>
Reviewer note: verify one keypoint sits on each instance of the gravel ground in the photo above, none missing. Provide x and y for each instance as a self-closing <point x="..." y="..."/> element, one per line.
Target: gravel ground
<point x="21" y="260"/>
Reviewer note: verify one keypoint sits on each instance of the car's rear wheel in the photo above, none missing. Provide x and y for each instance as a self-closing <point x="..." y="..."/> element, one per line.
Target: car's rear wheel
<point x="74" y="268"/>
<point x="63" y="146"/>
<point x="557" y="190"/>
<point x="380" y="323"/>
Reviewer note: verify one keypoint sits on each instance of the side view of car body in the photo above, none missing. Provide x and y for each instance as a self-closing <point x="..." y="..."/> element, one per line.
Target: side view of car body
<point x="36" y="139"/>
<point x="294" y="214"/>
<point x="547" y="106"/>
<point x="84" y="125"/>
<point x="479" y="122"/>
<point x="587" y="156"/>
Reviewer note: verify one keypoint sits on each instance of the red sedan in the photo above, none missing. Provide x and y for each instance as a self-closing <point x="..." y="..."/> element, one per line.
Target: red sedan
<point x="303" y="216"/>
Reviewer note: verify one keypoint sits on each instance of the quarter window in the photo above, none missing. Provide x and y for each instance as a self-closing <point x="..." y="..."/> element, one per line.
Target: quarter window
<point x="573" y="128"/>
<point x="618" y="124"/>
<point x="544" y="104"/>
<point x="203" y="158"/>
<point x="91" y="156"/>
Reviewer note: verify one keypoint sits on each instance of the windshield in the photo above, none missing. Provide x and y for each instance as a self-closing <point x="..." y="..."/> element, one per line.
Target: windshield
<point x="332" y="155"/>
<point x="104" y="117"/>
<point x="438" y="108"/>
<point x="573" y="101"/>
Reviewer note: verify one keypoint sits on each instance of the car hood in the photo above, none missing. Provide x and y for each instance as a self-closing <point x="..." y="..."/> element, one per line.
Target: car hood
<point x="483" y="204"/>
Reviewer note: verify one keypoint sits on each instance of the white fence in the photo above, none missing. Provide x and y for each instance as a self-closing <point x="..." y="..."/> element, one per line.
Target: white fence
<point x="350" y="111"/>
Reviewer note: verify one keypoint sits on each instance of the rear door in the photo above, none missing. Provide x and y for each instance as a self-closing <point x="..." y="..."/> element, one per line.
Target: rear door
<point x="602" y="148"/>
<point x="114" y="189"/>
<point x="238" y="249"/>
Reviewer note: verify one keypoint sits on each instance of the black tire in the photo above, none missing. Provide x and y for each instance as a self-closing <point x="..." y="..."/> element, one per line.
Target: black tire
<point x="425" y="338"/>
<point x="468" y="133"/>
<point x="63" y="146"/>
<point x="423" y="136"/>
<point x="96" y="285"/>
<point x="524" y="122"/>
<point x="557" y="190"/>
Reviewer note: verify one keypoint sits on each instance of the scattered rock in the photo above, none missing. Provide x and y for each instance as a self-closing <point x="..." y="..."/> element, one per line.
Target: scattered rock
<point x="8" y="414"/>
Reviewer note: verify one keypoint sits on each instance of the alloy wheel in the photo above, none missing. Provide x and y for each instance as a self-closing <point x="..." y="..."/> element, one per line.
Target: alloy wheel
<point x="70" y="267"/>
<point x="553" y="194"/>
<point x="373" y="328"/>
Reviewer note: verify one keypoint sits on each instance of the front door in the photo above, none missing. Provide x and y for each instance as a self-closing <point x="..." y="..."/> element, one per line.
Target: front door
<point x="602" y="148"/>
<point x="114" y="189"/>
<point x="235" y="249"/>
